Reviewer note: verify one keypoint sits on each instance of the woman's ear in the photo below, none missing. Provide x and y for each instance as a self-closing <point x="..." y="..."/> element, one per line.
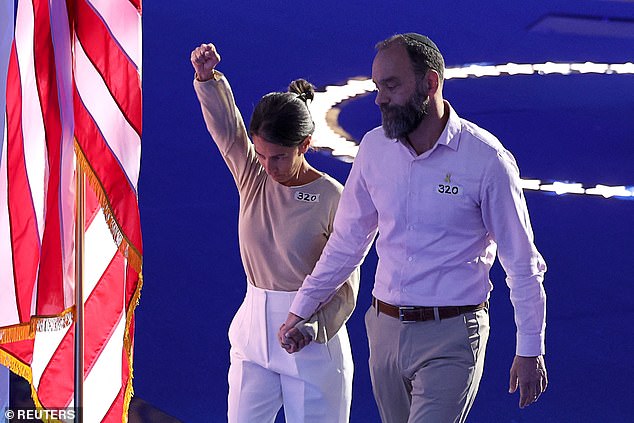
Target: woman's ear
<point x="303" y="147"/>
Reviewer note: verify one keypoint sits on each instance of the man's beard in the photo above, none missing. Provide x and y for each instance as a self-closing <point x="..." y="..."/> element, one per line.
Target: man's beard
<point x="400" y="121"/>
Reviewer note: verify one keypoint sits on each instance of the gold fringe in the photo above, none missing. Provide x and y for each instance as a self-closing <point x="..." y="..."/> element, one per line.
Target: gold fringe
<point x="53" y="323"/>
<point x="16" y="366"/>
<point x="47" y="323"/>
<point x="50" y="323"/>
<point x="134" y="259"/>
<point x="39" y="324"/>
<point x="16" y="333"/>
<point x="24" y="331"/>
<point x="127" y="344"/>
<point x="123" y="243"/>
<point x="27" y="331"/>
<point x="24" y="371"/>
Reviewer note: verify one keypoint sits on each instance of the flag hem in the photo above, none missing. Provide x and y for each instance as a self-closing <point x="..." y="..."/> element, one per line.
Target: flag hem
<point x="128" y="250"/>
<point x="26" y="331"/>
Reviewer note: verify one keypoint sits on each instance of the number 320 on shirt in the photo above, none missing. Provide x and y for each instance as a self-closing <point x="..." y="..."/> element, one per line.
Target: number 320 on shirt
<point x="307" y="197"/>
<point x="449" y="189"/>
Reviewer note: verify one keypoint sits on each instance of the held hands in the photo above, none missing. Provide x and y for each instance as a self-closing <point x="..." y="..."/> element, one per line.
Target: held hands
<point x="292" y="340"/>
<point x="529" y="373"/>
<point x="204" y="60"/>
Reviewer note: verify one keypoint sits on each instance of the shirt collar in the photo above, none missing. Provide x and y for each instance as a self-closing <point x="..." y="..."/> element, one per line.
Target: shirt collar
<point x="450" y="136"/>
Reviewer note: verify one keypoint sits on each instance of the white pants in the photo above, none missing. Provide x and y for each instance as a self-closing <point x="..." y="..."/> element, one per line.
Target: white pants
<point x="313" y="385"/>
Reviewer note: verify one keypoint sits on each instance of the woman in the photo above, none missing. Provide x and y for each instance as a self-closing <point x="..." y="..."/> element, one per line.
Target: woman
<point x="287" y="209"/>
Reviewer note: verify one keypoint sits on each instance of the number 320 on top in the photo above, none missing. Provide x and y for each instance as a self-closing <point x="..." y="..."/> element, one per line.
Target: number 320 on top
<point x="449" y="189"/>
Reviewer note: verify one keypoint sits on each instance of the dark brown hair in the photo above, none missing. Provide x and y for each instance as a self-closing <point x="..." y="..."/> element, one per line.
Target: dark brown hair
<point x="284" y="118"/>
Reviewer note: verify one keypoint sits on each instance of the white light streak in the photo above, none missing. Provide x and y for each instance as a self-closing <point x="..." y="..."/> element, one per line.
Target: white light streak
<point x="563" y="188"/>
<point x="453" y="73"/>
<point x="481" y="70"/>
<point x="533" y="184"/>
<point x="590" y="67"/>
<point x="608" y="191"/>
<point x="329" y="135"/>
<point x="515" y="69"/>
<point x="622" y="68"/>
<point x="550" y="67"/>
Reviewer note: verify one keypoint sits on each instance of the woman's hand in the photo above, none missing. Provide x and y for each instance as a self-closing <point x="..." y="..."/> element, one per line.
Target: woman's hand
<point x="291" y="338"/>
<point x="204" y="60"/>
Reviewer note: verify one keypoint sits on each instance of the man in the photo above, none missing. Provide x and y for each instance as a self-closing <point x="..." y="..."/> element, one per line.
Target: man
<point x="444" y="196"/>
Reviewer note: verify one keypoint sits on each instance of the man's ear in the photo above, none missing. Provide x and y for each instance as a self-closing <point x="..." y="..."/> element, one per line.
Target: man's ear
<point x="432" y="81"/>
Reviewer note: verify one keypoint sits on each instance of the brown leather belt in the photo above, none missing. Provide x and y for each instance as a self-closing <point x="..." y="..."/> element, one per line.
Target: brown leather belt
<point x="421" y="314"/>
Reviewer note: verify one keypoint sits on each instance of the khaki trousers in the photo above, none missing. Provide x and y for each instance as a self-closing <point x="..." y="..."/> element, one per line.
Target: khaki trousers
<point x="426" y="371"/>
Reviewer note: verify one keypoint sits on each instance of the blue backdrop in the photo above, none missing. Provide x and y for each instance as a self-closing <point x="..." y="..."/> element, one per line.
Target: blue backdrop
<point x="575" y="128"/>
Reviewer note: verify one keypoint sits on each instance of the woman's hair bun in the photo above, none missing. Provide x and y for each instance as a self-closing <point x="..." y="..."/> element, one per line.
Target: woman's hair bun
<point x="304" y="89"/>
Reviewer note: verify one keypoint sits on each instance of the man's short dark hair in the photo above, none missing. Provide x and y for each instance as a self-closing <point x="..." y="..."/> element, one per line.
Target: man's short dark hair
<point x="422" y="51"/>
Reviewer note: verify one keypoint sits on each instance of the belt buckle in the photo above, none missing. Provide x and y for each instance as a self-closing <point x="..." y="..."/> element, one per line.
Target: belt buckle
<point x="401" y="315"/>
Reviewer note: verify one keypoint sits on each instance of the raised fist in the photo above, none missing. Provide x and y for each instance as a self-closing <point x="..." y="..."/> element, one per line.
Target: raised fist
<point x="204" y="60"/>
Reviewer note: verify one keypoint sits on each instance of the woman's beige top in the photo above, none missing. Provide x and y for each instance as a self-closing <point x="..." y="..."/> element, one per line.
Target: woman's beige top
<point x="282" y="230"/>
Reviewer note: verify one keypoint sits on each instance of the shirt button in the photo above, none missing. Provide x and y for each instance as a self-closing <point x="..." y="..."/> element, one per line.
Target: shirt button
<point x="410" y="258"/>
<point x="411" y="227"/>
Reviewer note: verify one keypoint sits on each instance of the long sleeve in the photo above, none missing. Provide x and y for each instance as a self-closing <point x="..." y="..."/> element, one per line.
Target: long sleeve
<point x="355" y="227"/>
<point x="505" y="216"/>
<point x="333" y="314"/>
<point x="270" y="230"/>
<point x="326" y="322"/>
<point x="226" y="126"/>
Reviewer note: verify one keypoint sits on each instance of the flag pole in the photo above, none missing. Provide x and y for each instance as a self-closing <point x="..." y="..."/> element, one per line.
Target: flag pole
<point x="79" y="294"/>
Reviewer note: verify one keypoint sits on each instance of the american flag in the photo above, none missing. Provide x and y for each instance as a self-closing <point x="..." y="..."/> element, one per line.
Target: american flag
<point x="70" y="72"/>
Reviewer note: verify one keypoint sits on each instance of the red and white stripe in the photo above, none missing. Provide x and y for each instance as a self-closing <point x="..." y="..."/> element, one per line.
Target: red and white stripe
<point x="73" y="76"/>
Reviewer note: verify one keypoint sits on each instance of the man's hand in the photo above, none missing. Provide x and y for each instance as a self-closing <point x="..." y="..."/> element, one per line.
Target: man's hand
<point x="291" y="338"/>
<point x="529" y="373"/>
<point x="204" y="60"/>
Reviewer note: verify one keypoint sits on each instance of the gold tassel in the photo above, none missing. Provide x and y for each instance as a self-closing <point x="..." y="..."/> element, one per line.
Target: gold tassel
<point x="16" y="333"/>
<point x="41" y="324"/>
<point x="16" y="366"/>
<point x="24" y="371"/>
<point x="24" y="331"/>
<point x="123" y="243"/>
<point x="127" y="344"/>
<point x="134" y="259"/>
<point x="53" y="323"/>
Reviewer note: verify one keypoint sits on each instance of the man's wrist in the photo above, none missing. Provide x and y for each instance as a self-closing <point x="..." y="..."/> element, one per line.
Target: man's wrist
<point x="293" y="319"/>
